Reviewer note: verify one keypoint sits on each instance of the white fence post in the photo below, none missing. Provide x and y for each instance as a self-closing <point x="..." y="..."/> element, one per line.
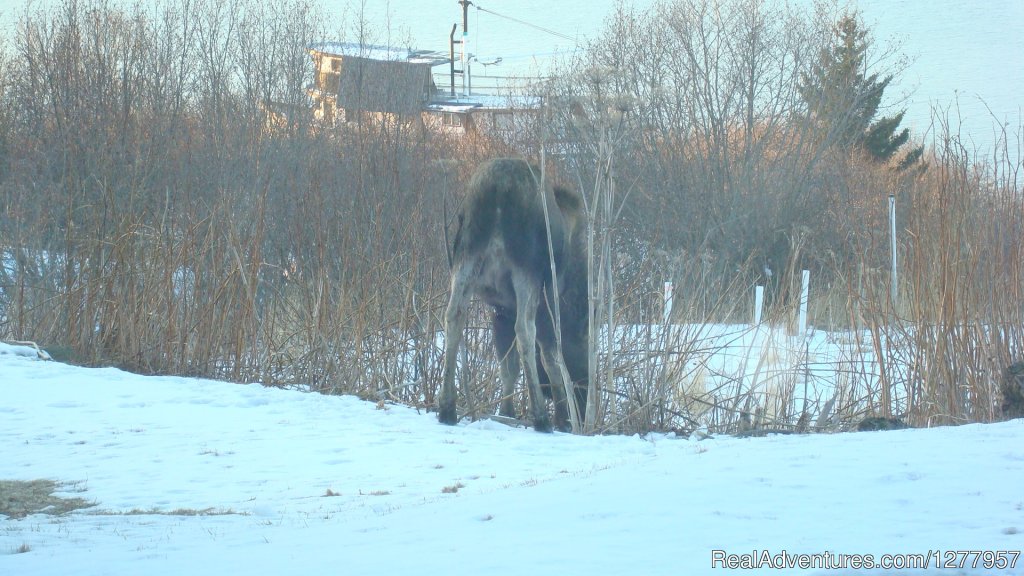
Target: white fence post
<point x="805" y="283"/>
<point x="894" y="278"/>
<point x="758" y="304"/>
<point x="667" y="303"/>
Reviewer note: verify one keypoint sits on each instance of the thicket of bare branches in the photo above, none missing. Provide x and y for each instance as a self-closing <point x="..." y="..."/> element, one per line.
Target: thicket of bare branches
<point x="169" y="206"/>
<point x="731" y="181"/>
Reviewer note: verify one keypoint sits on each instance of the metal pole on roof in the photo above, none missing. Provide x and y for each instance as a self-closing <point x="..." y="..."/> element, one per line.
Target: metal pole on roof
<point x="451" y="55"/>
<point x="465" y="42"/>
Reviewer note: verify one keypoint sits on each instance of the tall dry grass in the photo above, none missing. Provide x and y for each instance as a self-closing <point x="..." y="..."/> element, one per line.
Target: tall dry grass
<point x="169" y="207"/>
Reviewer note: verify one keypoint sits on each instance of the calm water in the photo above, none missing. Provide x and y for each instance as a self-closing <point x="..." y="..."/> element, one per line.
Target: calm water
<point x="965" y="54"/>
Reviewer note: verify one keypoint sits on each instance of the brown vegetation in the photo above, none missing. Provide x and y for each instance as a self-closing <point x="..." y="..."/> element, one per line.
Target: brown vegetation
<point x="20" y="498"/>
<point x="158" y="217"/>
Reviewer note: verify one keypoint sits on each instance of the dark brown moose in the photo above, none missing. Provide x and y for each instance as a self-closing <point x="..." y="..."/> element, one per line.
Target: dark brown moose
<point x="501" y="256"/>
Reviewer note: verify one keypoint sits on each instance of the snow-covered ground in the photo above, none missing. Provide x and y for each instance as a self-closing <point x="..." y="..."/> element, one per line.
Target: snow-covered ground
<point x="301" y="483"/>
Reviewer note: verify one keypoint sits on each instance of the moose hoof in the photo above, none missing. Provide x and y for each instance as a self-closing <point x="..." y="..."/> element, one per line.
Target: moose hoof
<point x="542" y="425"/>
<point x="446" y="415"/>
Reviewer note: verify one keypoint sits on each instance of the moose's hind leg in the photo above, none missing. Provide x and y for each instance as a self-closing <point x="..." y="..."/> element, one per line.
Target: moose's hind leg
<point x="504" y="332"/>
<point x="454" y="325"/>
<point x="552" y="365"/>
<point x="527" y="295"/>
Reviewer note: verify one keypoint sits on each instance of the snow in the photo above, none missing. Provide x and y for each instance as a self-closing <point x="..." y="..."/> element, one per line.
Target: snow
<point x="464" y="103"/>
<point x="376" y="52"/>
<point x="315" y="484"/>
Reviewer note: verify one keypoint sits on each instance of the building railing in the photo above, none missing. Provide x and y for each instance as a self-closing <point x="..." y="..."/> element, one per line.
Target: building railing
<point x="488" y="84"/>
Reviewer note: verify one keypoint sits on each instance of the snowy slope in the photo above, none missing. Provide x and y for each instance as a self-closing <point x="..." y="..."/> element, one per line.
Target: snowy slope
<point x="528" y="503"/>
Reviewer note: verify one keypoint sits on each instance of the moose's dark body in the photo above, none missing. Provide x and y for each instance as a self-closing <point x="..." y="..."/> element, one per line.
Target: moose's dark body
<point x="501" y="255"/>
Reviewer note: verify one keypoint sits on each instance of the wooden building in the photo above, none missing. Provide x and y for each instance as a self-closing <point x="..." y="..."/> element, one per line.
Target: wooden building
<point x="357" y="79"/>
<point x="354" y="78"/>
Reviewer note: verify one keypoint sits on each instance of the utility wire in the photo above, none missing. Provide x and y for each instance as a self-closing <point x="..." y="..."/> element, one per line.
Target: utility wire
<point x="524" y="23"/>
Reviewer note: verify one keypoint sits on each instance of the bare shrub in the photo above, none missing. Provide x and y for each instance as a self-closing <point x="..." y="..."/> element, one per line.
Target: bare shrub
<point x="169" y="206"/>
<point x="730" y="184"/>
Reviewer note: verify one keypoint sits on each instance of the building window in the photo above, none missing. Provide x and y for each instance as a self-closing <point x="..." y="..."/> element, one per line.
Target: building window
<point x="451" y="119"/>
<point x="329" y="77"/>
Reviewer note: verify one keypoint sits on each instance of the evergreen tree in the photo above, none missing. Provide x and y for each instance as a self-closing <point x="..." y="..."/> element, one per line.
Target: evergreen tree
<point x="844" y="99"/>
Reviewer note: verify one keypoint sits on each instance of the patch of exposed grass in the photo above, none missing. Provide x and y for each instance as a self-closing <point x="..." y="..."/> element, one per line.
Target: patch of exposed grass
<point x="21" y="498"/>
<point x="176" y="512"/>
<point x="453" y="488"/>
<point x="375" y="493"/>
